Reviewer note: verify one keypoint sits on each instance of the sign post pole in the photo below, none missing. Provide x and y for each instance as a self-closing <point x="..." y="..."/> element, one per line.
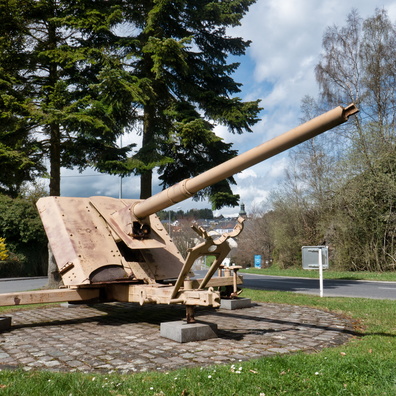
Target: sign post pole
<point x="320" y="272"/>
<point x="311" y="260"/>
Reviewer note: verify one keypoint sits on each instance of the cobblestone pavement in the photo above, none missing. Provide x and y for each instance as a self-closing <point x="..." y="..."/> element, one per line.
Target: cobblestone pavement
<point x="126" y="338"/>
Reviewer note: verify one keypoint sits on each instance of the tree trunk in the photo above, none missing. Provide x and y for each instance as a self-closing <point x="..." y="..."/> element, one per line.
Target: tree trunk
<point x="54" y="279"/>
<point x="55" y="160"/>
<point x="146" y="184"/>
<point x="146" y="177"/>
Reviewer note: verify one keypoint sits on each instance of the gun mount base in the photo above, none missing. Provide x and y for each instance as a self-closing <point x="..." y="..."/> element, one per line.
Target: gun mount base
<point x="126" y="292"/>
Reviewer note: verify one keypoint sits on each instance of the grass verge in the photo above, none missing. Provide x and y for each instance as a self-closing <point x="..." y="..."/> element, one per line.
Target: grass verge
<point x="327" y="274"/>
<point x="364" y="366"/>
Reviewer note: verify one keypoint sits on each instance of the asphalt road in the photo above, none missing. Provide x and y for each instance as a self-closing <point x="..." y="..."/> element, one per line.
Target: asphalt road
<point x="331" y="288"/>
<point x="10" y="285"/>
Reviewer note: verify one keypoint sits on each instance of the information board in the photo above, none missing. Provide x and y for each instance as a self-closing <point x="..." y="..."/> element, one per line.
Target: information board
<point x="310" y="257"/>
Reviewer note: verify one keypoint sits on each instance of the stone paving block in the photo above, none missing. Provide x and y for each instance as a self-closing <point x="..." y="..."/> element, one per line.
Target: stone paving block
<point x="236" y="303"/>
<point x="52" y="363"/>
<point x="180" y="331"/>
<point x="74" y="363"/>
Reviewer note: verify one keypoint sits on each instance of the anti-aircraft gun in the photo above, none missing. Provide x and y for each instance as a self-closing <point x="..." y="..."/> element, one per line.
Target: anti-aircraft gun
<point x="109" y="249"/>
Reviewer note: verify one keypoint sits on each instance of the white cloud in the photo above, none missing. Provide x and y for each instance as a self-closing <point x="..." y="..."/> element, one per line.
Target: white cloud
<point x="245" y="174"/>
<point x="278" y="168"/>
<point x="391" y="10"/>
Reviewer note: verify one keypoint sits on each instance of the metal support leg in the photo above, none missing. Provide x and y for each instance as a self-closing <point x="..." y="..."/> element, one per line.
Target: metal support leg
<point x="190" y="312"/>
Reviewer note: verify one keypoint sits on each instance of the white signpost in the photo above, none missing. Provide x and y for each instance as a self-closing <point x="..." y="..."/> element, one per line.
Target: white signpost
<point x="316" y="257"/>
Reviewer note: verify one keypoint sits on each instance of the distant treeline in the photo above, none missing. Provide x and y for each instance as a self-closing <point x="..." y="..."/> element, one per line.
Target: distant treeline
<point x="195" y="214"/>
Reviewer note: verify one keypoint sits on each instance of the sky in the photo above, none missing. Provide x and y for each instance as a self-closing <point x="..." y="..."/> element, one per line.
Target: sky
<point x="278" y="68"/>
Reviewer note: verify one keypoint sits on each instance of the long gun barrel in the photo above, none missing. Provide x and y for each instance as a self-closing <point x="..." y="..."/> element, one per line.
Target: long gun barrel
<point x="188" y="187"/>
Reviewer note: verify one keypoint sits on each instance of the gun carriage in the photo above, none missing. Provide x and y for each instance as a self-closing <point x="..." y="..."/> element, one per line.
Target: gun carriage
<point x="109" y="249"/>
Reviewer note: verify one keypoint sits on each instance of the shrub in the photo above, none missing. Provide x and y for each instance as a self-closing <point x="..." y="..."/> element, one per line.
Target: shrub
<point x="21" y="227"/>
<point x="3" y="250"/>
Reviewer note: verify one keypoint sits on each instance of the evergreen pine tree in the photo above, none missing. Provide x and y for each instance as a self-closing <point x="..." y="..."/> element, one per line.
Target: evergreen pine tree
<point x="74" y="99"/>
<point x="178" y="50"/>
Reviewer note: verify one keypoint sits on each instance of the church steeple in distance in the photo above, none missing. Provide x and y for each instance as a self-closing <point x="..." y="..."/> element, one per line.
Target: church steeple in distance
<point x="242" y="211"/>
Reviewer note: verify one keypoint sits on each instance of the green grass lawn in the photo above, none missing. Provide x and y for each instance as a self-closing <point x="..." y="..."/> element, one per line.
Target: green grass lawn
<point x="364" y="366"/>
<point x="327" y="274"/>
